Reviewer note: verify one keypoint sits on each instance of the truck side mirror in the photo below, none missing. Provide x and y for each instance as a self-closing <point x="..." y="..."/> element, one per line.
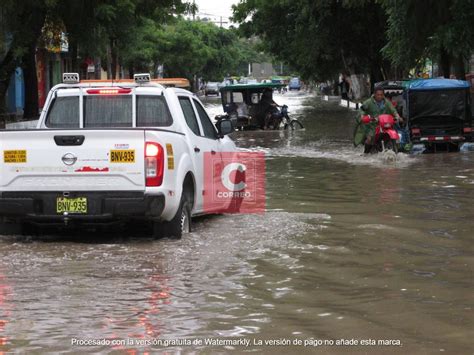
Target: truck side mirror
<point x="224" y="127"/>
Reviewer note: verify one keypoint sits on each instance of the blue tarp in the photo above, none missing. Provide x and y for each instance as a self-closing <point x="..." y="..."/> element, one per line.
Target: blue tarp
<point x="437" y="84"/>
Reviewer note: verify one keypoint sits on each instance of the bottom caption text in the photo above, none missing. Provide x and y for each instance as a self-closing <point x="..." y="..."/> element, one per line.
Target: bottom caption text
<point x="234" y="342"/>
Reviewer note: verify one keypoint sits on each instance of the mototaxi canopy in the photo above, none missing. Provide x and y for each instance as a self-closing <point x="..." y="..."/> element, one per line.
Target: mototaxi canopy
<point x="438" y="98"/>
<point x="248" y="94"/>
<point x="436" y="84"/>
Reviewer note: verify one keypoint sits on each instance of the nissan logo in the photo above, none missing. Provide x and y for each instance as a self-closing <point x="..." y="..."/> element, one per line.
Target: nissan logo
<point x="69" y="159"/>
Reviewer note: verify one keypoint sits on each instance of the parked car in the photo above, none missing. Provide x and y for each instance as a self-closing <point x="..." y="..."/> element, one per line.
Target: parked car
<point x="106" y="152"/>
<point x="211" y="88"/>
<point x="439" y="113"/>
<point x="294" y="84"/>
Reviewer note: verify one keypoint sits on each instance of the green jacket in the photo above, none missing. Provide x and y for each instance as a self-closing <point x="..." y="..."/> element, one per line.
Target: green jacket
<point x="370" y="107"/>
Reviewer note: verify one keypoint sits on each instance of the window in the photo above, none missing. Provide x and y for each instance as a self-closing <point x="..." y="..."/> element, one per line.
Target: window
<point x="189" y="114"/>
<point x="207" y="126"/>
<point x="107" y="111"/>
<point x="238" y="97"/>
<point x="152" y="111"/>
<point x="64" y="113"/>
<point x="255" y="98"/>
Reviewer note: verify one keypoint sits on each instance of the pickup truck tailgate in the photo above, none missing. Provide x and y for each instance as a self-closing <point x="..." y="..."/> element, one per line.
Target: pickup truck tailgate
<point x="72" y="160"/>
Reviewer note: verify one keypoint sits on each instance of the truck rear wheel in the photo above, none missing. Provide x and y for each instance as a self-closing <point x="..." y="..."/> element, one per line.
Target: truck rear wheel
<point x="179" y="225"/>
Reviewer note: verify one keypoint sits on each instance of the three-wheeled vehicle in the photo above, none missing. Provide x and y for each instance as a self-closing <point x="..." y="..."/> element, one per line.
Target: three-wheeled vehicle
<point x="247" y="106"/>
<point x="439" y="113"/>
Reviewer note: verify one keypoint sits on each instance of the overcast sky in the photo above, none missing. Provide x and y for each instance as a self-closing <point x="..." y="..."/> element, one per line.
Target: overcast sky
<point x="215" y="8"/>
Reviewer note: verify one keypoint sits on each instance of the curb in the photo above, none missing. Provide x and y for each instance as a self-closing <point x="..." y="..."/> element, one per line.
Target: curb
<point x="350" y="104"/>
<point x="344" y="103"/>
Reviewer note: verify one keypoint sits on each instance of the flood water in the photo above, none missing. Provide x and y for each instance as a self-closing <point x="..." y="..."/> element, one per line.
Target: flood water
<point x="350" y="247"/>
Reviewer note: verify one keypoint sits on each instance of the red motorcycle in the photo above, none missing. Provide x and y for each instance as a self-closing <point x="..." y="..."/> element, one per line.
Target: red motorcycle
<point x="386" y="137"/>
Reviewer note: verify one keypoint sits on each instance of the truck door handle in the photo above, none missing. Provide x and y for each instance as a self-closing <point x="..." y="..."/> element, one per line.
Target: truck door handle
<point x="69" y="140"/>
<point x="197" y="150"/>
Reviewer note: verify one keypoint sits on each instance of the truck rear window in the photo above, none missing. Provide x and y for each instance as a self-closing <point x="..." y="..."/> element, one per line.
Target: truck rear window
<point x="152" y="111"/>
<point x="64" y="113"/>
<point x="109" y="111"/>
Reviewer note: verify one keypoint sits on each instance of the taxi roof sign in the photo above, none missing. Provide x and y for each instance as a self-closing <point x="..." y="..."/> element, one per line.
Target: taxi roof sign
<point x="142" y="78"/>
<point x="71" y="78"/>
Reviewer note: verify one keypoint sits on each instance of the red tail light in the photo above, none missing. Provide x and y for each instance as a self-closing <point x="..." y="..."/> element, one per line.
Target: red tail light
<point x="467" y="129"/>
<point x="154" y="164"/>
<point x="109" y="91"/>
<point x="415" y="131"/>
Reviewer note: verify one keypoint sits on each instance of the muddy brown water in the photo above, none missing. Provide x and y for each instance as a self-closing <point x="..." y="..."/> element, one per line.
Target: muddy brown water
<point x="351" y="248"/>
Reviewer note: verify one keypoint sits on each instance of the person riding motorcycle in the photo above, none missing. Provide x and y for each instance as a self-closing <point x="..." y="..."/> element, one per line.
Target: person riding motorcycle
<point x="376" y="105"/>
<point x="265" y="108"/>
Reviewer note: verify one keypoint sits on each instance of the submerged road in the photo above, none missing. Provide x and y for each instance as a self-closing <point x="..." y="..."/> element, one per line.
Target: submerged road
<point x="351" y="248"/>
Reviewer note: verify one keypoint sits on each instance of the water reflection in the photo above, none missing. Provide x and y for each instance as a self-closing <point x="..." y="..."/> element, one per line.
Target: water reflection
<point x="5" y="311"/>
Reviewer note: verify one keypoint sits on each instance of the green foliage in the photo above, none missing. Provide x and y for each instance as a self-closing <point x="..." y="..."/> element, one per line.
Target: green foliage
<point x="23" y="21"/>
<point x="428" y="29"/>
<point x="321" y="38"/>
<point x="318" y="38"/>
<point x="187" y="49"/>
<point x="138" y="34"/>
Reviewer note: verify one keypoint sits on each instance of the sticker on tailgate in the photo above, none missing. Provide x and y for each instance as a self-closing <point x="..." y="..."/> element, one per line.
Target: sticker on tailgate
<point x="14" y="156"/>
<point x="122" y="156"/>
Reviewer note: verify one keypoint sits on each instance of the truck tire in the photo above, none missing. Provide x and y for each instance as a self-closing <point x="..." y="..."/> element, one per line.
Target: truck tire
<point x="179" y="225"/>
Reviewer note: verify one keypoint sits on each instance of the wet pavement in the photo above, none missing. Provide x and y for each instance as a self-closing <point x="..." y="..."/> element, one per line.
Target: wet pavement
<point x="351" y="247"/>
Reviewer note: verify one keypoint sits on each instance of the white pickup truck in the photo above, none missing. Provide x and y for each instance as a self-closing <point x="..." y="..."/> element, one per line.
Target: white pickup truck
<point x="106" y="152"/>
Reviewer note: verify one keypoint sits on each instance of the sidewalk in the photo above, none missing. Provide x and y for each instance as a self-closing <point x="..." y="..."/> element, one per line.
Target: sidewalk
<point x="344" y="103"/>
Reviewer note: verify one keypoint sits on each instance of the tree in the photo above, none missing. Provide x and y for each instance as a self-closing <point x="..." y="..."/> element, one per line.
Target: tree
<point x="24" y="21"/>
<point x="190" y="49"/>
<point x="438" y="29"/>
<point x="93" y="27"/>
<point x="319" y="38"/>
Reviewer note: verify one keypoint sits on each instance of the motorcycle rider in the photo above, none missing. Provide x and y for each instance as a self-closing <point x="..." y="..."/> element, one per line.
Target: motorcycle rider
<point x="265" y="108"/>
<point x="376" y="105"/>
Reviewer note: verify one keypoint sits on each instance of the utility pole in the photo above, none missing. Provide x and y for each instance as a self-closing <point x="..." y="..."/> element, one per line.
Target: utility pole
<point x="219" y="22"/>
<point x="223" y="22"/>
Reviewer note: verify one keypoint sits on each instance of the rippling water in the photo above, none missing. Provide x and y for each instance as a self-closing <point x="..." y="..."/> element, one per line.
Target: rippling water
<point x="351" y="247"/>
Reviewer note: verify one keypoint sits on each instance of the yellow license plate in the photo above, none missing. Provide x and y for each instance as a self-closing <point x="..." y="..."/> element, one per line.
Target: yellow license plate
<point x="122" y="156"/>
<point x="71" y="205"/>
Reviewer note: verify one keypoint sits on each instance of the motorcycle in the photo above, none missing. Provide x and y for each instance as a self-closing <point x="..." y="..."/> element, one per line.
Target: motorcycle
<point x="386" y="137"/>
<point x="280" y="118"/>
